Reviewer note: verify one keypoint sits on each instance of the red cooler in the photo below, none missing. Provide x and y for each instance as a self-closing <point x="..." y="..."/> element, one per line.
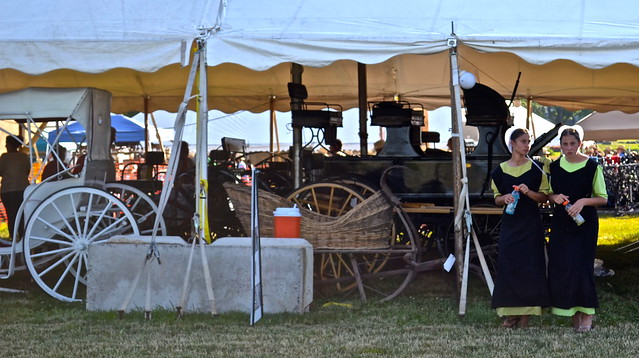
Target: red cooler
<point x="287" y="222"/>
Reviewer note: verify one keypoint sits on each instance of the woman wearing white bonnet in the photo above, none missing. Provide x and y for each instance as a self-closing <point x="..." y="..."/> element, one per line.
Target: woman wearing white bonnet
<point x="521" y="288"/>
<point x="577" y="179"/>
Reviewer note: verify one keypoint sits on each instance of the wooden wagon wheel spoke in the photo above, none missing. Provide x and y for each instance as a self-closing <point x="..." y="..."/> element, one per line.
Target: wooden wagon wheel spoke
<point x="486" y="223"/>
<point x="335" y="271"/>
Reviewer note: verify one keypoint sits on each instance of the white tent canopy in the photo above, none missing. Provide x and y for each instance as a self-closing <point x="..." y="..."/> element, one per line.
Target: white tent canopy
<point x="93" y="37"/>
<point x="564" y="51"/>
<point x="318" y="33"/>
<point x="133" y="49"/>
<point x="576" y="53"/>
<point x="609" y="126"/>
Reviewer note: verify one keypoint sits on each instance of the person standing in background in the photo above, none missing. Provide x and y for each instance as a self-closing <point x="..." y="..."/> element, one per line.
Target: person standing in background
<point x="335" y="149"/>
<point x="14" y="170"/>
<point x="185" y="162"/>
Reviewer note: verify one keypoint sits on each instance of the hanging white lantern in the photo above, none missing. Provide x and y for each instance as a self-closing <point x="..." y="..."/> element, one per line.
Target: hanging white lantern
<point x="467" y="80"/>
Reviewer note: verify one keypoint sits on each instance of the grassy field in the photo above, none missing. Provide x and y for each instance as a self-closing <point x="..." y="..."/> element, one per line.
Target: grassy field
<point x="423" y="322"/>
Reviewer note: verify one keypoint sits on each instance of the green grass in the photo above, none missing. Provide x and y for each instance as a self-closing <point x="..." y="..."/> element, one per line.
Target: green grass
<point x="615" y="230"/>
<point x="423" y="322"/>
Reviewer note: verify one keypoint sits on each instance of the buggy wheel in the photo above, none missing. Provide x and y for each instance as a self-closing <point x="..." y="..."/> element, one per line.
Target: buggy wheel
<point x="141" y="206"/>
<point x="332" y="199"/>
<point x="59" y="232"/>
<point x="486" y="226"/>
<point x="335" y="272"/>
<point x="361" y="185"/>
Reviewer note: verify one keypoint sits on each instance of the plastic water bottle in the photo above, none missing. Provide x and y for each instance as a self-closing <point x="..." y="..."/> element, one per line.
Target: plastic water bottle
<point x="578" y="218"/>
<point x="510" y="208"/>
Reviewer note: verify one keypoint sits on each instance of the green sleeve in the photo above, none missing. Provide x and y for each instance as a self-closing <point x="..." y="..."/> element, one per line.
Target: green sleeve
<point x="599" y="184"/>
<point x="545" y="186"/>
<point x="493" y="186"/>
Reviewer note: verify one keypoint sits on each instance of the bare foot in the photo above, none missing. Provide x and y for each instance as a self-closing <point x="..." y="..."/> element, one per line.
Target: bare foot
<point x="510" y="321"/>
<point x="576" y="320"/>
<point x="586" y="323"/>
<point x="523" y="321"/>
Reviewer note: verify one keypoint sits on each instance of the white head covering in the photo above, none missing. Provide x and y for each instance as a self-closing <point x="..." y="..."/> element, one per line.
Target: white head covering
<point x="508" y="134"/>
<point x="576" y="127"/>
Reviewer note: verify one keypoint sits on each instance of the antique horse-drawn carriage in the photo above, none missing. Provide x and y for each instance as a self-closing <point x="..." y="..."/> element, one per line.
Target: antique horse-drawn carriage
<point x="417" y="181"/>
<point x="63" y="217"/>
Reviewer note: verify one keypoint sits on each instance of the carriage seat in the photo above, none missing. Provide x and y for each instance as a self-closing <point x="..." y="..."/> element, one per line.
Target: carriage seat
<point x="329" y="115"/>
<point x="397" y="114"/>
<point x="98" y="172"/>
<point x="430" y="137"/>
<point x="485" y="107"/>
<point x="34" y="194"/>
<point x="93" y="174"/>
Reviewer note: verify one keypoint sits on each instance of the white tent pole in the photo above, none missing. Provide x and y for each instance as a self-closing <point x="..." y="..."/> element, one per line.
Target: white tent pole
<point x="457" y="167"/>
<point x="461" y="199"/>
<point x="201" y="148"/>
<point x="201" y="222"/>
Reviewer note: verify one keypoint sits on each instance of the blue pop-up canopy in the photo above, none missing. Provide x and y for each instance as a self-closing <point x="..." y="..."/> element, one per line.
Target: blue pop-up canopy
<point x="127" y="131"/>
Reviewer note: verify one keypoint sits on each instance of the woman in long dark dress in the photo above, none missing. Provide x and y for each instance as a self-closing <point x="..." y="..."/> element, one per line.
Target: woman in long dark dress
<point x="521" y="287"/>
<point x="571" y="251"/>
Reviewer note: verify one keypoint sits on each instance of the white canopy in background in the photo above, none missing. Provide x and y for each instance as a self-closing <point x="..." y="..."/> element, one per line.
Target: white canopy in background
<point x="536" y="124"/>
<point x="574" y="53"/>
<point x="439" y="120"/>
<point x="610" y="126"/>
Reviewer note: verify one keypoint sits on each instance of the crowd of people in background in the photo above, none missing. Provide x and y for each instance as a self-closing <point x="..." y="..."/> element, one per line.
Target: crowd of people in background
<point x="609" y="156"/>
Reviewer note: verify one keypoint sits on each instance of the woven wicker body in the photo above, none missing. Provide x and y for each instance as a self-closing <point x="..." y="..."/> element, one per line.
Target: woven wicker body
<point x="367" y="226"/>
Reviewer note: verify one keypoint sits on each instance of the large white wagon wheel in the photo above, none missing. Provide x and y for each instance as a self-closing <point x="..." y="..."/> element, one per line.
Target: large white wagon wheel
<point x="60" y="231"/>
<point x="141" y="206"/>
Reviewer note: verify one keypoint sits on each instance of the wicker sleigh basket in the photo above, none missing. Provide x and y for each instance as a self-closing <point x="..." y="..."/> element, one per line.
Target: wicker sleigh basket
<point x="367" y="226"/>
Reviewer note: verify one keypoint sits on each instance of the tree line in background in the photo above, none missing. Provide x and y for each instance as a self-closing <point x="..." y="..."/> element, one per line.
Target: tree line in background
<point x="556" y="114"/>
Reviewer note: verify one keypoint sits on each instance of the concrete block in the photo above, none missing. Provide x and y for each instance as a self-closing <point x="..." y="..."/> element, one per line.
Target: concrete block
<point x="287" y="274"/>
